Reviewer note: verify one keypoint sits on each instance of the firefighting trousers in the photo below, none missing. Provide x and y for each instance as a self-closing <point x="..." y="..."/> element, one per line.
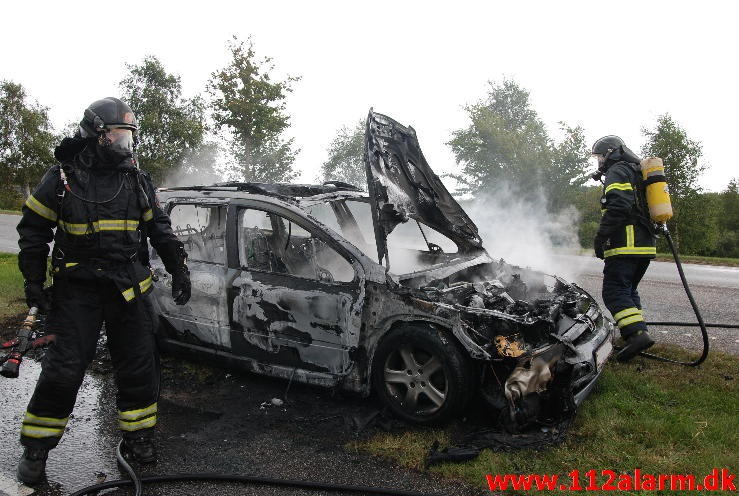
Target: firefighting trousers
<point x="79" y="309"/>
<point x="621" y="276"/>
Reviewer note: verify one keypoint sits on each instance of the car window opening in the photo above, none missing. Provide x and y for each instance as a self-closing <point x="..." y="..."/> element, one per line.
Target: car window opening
<point x="202" y="229"/>
<point x="412" y="246"/>
<point x="270" y="243"/>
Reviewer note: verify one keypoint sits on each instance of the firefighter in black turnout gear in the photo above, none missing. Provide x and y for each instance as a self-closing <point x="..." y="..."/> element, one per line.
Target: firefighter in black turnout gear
<point x="625" y="240"/>
<point x="98" y="208"/>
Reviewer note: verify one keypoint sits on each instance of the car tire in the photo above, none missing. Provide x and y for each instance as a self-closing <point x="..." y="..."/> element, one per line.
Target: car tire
<point x="425" y="397"/>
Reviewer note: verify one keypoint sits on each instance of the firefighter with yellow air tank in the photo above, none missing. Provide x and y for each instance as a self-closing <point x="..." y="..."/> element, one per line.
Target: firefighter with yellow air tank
<point x="625" y="239"/>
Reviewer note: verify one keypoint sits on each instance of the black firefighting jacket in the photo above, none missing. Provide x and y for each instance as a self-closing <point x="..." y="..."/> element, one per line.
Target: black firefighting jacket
<point x="625" y="224"/>
<point x="101" y="233"/>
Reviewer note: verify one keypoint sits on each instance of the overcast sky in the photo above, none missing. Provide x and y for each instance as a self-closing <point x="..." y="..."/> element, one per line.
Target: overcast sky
<point x="612" y="67"/>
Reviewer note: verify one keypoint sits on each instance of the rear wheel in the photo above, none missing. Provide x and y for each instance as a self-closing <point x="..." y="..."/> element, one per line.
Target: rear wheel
<point x="422" y="374"/>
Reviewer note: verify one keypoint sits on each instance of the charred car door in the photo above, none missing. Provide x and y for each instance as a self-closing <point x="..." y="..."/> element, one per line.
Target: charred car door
<point x="294" y="295"/>
<point x="203" y="320"/>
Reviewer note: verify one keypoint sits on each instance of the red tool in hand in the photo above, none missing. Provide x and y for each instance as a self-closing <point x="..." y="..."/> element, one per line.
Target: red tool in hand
<point x="12" y="362"/>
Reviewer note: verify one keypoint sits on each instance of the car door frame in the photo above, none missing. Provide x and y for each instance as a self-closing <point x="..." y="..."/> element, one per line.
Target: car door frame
<point x="339" y="366"/>
<point x="197" y="327"/>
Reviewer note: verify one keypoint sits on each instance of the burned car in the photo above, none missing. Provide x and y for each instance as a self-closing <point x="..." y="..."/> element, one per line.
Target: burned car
<point x="388" y="291"/>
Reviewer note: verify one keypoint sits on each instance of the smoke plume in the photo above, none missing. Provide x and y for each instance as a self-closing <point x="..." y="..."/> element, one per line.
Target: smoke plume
<point x="521" y="230"/>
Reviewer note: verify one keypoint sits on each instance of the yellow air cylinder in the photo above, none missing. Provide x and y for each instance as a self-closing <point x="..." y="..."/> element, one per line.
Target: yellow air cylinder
<point x="657" y="192"/>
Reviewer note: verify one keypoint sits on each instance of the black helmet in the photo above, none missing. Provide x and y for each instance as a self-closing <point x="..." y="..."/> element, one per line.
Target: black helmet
<point x="607" y="144"/>
<point x="106" y="114"/>
<point x="112" y="123"/>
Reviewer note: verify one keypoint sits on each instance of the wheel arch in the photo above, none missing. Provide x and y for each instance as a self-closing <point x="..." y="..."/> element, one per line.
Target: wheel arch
<point x="443" y="326"/>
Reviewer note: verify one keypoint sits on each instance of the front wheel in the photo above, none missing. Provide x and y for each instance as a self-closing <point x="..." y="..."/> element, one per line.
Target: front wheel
<point x="422" y="374"/>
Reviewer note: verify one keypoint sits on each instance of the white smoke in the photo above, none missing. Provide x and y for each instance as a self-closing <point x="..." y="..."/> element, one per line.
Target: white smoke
<point x="523" y="232"/>
<point x="207" y="165"/>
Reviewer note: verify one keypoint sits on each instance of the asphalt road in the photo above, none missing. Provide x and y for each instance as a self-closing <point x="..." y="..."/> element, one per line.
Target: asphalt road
<point x="8" y="234"/>
<point x="715" y="289"/>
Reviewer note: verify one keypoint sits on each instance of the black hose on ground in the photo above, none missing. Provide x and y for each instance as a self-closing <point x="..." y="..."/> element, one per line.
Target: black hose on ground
<point x="135" y="479"/>
<point x="698" y="315"/>
<point x="137" y="482"/>
<point x="693" y="324"/>
<point x="250" y="479"/>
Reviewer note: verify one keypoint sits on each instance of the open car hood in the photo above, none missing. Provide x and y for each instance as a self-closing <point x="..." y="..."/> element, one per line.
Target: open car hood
<point x="402" y="186"/>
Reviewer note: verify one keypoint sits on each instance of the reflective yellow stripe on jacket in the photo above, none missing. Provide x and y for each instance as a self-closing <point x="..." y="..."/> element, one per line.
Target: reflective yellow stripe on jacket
<point x="634" y="250"/>
<point x="41" y="209"/>
<point x="99" y="225"/>
<point x="619" y="186"/>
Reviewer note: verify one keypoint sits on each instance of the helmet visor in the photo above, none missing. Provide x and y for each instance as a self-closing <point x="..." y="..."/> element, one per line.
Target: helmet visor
<point x="600" y="158"/>
<point x="121" y="138"/>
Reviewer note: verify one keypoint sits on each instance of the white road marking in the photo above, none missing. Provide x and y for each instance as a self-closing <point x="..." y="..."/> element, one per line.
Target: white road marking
<point x="11" y="487"/>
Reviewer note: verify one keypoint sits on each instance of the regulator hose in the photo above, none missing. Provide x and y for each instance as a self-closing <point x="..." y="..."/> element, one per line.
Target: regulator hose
<point x="137" y="482"/>
<point x="701" y="324"/>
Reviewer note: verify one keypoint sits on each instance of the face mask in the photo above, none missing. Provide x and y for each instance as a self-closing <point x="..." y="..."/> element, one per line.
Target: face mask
<point x="116" y="144"/>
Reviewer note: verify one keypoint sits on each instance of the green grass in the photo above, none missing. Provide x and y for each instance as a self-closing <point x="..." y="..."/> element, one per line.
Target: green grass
<point x="12" y="300"/>
<point x="656" y="417"/>
<point x="11" y="212"/>
<point x="731" y="262"/>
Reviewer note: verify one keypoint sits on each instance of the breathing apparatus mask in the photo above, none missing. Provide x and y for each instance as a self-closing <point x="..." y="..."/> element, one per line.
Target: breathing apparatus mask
<point x="114" y="127"/>
<point x="602" y="150"/>
<point x="116" y="144"/>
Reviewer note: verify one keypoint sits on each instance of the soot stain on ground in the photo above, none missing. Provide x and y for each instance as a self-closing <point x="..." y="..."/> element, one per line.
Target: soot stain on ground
<point x="215" y="420"/>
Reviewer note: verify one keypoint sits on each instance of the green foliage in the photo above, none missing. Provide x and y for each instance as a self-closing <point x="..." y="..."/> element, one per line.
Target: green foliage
<point x="247" y="102"/>
<point x="12" y="300"/>
<point x="171" y="127"/>
<point x="728" y="221"/>
<point x="639" y="416"/>
<point x="506" y="142"/>
<point x="586" y="200"/>
<point x="26" y="144"/>
<point x="346" y="157"/>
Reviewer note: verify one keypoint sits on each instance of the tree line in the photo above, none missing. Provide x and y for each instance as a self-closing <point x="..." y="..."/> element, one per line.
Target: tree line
<point x="506" y="145"/>
<point x="236" y="128"/>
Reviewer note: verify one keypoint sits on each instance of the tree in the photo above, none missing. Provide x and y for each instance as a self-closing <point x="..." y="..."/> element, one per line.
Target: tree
<point x="346" y="157"/>
<point x="681" y="155"/>
<point x="250" y="105"/>
<point x="566" y="174"/>
<point x="170" y="127"/>
<point x="507" y="143"/>
<point x="728" y="243"/>
<point x="27" y="141"/>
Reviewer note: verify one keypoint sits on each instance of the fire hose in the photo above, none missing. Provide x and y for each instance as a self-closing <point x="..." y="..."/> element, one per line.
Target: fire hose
<point x="704" y="331"/>
<point x="137" y="482"/>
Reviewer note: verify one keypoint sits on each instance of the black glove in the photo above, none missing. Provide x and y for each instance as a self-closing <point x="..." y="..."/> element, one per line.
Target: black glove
<point x="598" y="243"/>
<point x="35" y="296"/>
<point x="181" y="286"/>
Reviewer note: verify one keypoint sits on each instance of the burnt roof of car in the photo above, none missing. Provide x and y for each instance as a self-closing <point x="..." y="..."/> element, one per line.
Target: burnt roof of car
<point x="272" y="189"/>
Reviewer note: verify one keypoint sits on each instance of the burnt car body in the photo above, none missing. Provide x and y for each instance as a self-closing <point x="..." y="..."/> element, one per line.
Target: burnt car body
<point x="390" y="291"/>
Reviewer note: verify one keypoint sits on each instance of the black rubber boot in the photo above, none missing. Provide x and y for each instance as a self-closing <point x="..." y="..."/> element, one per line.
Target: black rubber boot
<point x="140" y="448"/>
<point x="32" y="466"/>
<point x="635" y="344"/>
